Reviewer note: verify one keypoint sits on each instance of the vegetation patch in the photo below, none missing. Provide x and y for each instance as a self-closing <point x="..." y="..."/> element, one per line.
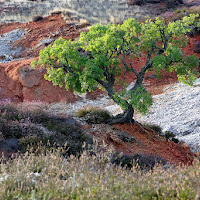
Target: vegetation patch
<point x="138" y="160"/>
<point x="94" y="115"/>
<point x="51" y="176"/>
<point x="168" y="134"/>
<point x="171" y="136"/>
<point x="37" y="18"/>
<point x="32" y="125"/>
<point x="154" y="127"/>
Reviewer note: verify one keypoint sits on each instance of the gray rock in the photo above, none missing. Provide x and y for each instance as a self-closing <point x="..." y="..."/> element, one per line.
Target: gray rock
<point x="7" y="48"/>
<point x="178" y="110"/>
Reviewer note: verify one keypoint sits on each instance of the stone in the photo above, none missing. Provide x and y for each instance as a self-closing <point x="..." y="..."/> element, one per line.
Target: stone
<point x="29" y="77"/>
<point x="184" y="145"/>
<point x="19" y="83"/>
<point x="84" y="22"/>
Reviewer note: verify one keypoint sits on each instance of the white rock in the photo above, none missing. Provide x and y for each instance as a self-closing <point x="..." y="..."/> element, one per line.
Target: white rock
<point x="178" y="110"/>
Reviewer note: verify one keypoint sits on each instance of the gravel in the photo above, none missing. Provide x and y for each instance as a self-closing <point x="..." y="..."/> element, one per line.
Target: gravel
<point x="7" y="47"/>
<point x="178" y="110"/>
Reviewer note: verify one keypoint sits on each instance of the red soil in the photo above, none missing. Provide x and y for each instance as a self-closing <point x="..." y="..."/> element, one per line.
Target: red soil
<point x="20" y="88"/>
<point x="152" y="143"/>
<point x="50" y="27"/>
<point x="147" y="142"/>
<point x="18" y="82"/>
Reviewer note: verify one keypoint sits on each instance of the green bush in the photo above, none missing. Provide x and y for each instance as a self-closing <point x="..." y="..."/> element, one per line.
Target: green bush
<point x="171" y="136"/>
<point x="154" y="127"/>
<point x="94" y="115"/>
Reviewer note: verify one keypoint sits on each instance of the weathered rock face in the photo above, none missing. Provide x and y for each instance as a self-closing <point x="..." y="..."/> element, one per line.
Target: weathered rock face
<point x="19" y="82"/>
<point x="177" y="110"/>
<point x="103" y="11"/>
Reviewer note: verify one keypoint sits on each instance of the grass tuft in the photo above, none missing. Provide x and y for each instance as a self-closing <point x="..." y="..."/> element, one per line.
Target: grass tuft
<point x="49" y="175"/>
<point x="94" y="115"/>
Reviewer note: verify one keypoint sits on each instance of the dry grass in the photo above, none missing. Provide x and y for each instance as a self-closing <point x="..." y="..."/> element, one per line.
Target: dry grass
<point x="51" y="176"/>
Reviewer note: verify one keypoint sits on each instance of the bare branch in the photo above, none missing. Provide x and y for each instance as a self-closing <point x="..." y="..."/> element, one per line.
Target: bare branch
<point x="126" y="65"/>
<point x="66" y="68"/>
<point x="150" y="53"/>
<point x="124" y="62"/>
<point x="101" y="82"/>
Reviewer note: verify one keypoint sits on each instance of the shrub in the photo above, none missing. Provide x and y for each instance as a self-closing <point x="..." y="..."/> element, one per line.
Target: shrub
<point x="154" y="127"/>
<point x="37" y="18"/>
<point x="31" y="125"/>
<point x="29" y="141"/>
<point x="173" y="3"/>
<point x="94" y="115"/>
<point x="18" y="130"/>
<point x="180" y="13"/>
<point x="138" y="160"/>
<point x="169" y="135"/>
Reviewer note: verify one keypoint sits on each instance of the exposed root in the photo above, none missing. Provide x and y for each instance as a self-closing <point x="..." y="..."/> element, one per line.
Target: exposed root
<point x="144" y="130"/>
<point x="137" y="140"/>
<point x="125" y="117"/>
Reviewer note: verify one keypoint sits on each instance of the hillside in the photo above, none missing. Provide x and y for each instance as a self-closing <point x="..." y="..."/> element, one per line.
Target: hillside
<point x="40" y="131"/>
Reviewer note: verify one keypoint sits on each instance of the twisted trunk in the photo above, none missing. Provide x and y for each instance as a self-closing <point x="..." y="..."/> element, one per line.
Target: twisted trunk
<point x="125" y="117"/>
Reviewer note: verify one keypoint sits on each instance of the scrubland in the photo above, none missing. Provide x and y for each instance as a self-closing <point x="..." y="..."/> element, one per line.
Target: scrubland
<point x="68" y="164"/>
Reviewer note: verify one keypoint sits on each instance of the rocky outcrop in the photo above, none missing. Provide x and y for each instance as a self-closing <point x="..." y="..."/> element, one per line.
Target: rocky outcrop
<point x="177" y="110"/>
<point x="103" y="11"/>
<point x="19" y="82"/>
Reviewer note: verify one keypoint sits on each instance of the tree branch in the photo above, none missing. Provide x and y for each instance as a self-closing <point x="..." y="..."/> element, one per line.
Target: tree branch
<point x="101" y="82"/>
<point x="150" y="53"/>
<point x="126" y="66"/>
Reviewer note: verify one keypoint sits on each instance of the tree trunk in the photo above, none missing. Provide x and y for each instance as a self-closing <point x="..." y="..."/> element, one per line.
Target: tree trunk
<point x="125" y="117"/>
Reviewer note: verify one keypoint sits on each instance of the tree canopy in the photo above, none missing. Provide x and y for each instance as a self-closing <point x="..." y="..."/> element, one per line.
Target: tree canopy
<point x="94" y="59"/>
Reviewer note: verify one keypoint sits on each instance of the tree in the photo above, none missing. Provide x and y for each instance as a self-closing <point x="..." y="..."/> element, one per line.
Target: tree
<point x="94" y="59"/>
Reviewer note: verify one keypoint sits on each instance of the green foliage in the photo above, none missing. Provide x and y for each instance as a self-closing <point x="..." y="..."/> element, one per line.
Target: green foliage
<point x="141" y="100"/>
<point x="94" y="59"/>
<point x="186" y="11"/>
